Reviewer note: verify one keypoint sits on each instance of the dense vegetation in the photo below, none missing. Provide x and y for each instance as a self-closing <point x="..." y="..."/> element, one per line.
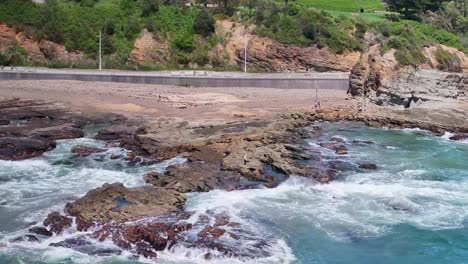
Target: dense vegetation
<point x="189" y="31"/>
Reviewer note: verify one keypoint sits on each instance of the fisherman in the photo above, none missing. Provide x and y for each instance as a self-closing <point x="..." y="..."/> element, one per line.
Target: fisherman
<point x="317" y="104"/>
<point x="360" y="106"/>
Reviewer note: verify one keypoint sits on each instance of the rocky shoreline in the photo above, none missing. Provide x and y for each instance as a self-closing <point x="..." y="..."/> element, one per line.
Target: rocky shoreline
<point x="229" y="155"/>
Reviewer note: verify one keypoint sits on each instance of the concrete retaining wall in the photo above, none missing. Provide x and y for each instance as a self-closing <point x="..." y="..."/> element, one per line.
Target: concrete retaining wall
<point x="293" y="83"/>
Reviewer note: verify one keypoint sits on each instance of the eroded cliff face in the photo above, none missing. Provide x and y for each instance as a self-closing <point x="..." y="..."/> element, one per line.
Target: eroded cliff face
<point x="39" y="51"/>
<point x="149" y="48"/>
<point x="379" y="77"/>
<point x="267" y="55"/>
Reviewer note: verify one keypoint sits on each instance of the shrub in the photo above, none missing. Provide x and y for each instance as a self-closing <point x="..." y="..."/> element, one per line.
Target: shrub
<point x="14" y="55"/>
<point x="447" y="61"/>
<point x="204" y="24"/>
<point x="287" y="31"/>
<point x="183" y="41"/>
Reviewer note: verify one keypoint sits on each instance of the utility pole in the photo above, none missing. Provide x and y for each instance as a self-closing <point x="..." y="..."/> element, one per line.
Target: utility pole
<point x="100" y="50"/>
<point x="245" y="49"/>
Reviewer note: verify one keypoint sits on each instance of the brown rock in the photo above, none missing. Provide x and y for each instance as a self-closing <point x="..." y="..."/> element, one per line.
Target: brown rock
<point x="211" y="232"/>
<point x="24" y="148"/>
<point x="115" y="202"/>
<point x="57" y="222"/>
<point x="84" y="151"/>
<point x="368" y="166"/>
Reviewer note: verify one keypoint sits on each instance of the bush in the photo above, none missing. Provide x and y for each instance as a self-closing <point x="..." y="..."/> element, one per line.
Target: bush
<point x="447" y="61"/>
<point x="204" y="24"/>
<point x="184" y="41"/>
<point x="287" y="31"/>
<point x="14" y="55"/>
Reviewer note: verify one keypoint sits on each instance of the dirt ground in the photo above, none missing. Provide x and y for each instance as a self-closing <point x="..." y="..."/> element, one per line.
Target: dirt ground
<point x="173" y="101"/>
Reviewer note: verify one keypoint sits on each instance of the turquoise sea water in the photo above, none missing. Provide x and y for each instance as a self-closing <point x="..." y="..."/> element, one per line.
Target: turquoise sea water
<point x="413" y="209"/>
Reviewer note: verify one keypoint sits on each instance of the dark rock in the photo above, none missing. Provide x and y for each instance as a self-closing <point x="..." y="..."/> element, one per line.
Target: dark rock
<point x="119" y="131"/>
<point x="57" y="223"/>
<point x="85" y="246"/>
<point x="339" y="149"/>
<point x="337" y="139"/>
<point x="115" y="156"/>
<point x="152" y="177"/>
<point x="342" y="151"/>
<point x="362" y="142"/>
<point x="368" y="166"/>
<point x="211" y="232"/>
<point x="145" y="250"/>
<point x="23" y="148"/>
<point x="84" y="151"/>
<point x="29" y="238"/>
<point x="4" y="122"/>
<point x="459" y="137"/>
<point x="58" y="133"/>
<point x="40" y="231"/>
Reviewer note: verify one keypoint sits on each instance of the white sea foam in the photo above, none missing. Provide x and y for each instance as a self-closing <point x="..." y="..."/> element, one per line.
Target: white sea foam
<point x="361" y="207"/>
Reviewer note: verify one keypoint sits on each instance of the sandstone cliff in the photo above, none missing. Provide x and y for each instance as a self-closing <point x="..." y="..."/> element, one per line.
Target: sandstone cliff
<point x="267" y="55"/>
<point x="39" y="51"/>
<point x="149" y="48"/>
<point x="379" y="77"/>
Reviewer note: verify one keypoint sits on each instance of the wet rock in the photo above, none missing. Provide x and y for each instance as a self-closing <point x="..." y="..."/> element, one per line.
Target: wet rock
<point x="196" y="177"/>
<point x="115" y="157"/>
<point x="342" y="151"/>
<point x="363" y="142"/>
<point x="29" y="238"/>
<point x="152" y="177"/>
<point x="145" y="250"/>
<point x="57" y="223"/>
<point x="368" y="166"/>
<point x="127" y="133"/>
<point x="145" y="238"/>
<point x="24" y="148"/>
<point x="211" y="232"/>
<point x="84" y="151"/>
<point x="339" y="149"/>
<point x="115" y="202"/>
<point x="459" y="137"/>
<point x="337" y="139"/>
<point x="85" y="246"/>
<point x="40" y="231"/>
<point x="58" y="132"/>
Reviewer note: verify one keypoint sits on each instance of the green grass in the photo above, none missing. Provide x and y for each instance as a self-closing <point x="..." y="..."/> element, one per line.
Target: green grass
<point x="344" y="5"/>
<point x="365" y="16"/>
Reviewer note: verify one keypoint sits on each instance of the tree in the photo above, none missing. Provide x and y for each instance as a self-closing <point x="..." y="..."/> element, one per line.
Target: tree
<point x="204" y="24"/>
<point x="286" y="2"/>
<point x="408" y="8"/>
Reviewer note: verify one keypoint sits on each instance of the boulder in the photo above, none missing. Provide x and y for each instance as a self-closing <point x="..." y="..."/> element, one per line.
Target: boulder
<point x="24" y="148"/>
<point x="57" y="223"/>
<point x="84" y="151"/>
<point x="115" y="202"/>
<point x="368" y="166"/>
<point x="459" y="137"/>
<point x="40" y="231"/>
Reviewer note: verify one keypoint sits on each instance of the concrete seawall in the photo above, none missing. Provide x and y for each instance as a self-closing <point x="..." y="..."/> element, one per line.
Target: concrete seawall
<point x="325" y="81"/>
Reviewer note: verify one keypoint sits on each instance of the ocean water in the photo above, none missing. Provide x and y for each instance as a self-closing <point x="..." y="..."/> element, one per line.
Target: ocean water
<point x="413" y="209"/>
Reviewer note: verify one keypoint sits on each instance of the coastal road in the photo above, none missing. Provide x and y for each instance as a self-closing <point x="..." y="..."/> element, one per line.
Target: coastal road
<point x="329" y="80"/>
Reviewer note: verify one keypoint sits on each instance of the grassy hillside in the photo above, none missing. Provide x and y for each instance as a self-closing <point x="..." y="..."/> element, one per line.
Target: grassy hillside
<point x="189" y="31"/>
<point x="344" y="5"/>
